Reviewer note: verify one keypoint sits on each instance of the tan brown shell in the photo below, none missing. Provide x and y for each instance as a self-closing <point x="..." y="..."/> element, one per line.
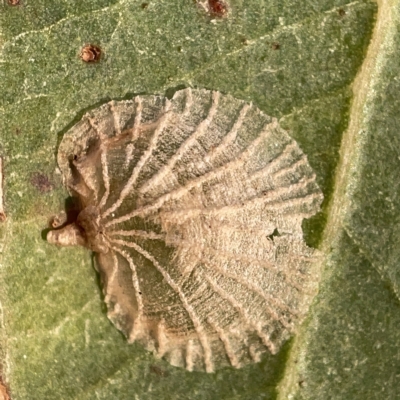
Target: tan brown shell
<point x="194" y="208"/>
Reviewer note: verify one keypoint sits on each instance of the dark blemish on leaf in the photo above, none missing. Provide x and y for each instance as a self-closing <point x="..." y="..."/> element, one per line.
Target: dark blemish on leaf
<point x="14" y="2"/>
<point x="72" y="209"/>
<point x="158" y="371"/>
<point x="17" y="130"/>
<point x="170" y="92"/>
<point x="275" y="46"/>
<point x="274" y="234"/>
<point x="179" y="48"/>
<point x="341" y="12"/>
<point x="41" y="182"/>
<point x="218" y="8"/>
<point x="244" y="41"/>
<point x="144" y="5"/>
<point x="302" y="383"/>
<point x="90" y="53"/>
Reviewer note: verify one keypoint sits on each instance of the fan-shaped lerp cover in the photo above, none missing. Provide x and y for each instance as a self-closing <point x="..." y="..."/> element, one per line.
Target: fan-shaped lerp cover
<point x="194" y="208"/>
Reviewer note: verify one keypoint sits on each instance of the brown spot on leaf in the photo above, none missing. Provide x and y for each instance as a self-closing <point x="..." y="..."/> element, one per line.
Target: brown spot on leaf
<point x="144" y="5"/>
<point x="341" y="12"/>
<point x="41" y="182"/>
<point x="14" y="2"/>
<point x="275" y="46"/>
<point x="218" y="8"/>
<point x="302" y="383"/>
<point x="90" y="53"/>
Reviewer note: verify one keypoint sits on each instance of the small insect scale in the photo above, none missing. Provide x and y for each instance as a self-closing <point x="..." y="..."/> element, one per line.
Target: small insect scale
<point x="193" y="207"/>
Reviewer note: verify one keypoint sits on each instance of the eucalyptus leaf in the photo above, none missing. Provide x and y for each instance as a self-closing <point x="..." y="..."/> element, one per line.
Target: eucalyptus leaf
<point x="308" y="63"/>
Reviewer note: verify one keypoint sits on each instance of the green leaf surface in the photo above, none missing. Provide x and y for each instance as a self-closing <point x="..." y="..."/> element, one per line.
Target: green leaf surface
<point x="311" y="64"/>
